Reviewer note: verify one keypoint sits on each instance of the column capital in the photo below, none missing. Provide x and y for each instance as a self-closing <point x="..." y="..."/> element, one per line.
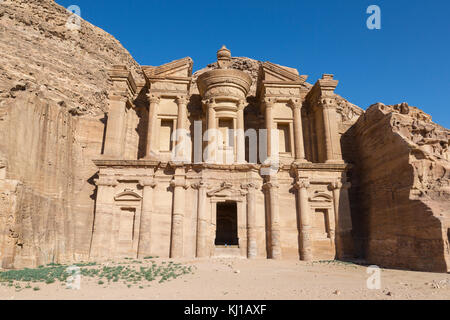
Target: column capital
<point x="176" y="183"/>
<point x="270" y="185"/>
<point x="242" y="104"/>
<point x="182" y="100"/>
<point x="147" y="182"/>
<point x="118" y="95"/>
<point x="302" y="183"/>
<point x="327" y="103"/>
<point x="250" y="186"/>
<point x="106" y="181"/>
<point x="295" y="103"/>
<point x="199" y="185"/>
<point x="209" y="102"/>
<point x="339" y="184"/>
<point x="269" y="102"/>
<point x="153" y="98"/>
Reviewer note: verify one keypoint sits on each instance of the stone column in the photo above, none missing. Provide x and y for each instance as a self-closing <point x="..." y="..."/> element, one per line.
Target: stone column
<point x="181" y="147"/>
<point x="151" y="151"/>
<point x="332" y="138"/>
<point x="202" y="220"/>
<point x="144" y="248"/>
<point x="115" y="127"/>
<point x="269" y="105"/>
<point x="275" y="245"/>
<point x="252" y="249"/>
<point x="342" y="219"/>
<point x="179" y="185"/>
<point x="101" y="237"/>
<point x="305" y="235"/>
<point x="240" y="141"/>
<point x="296" y="106"/>
<point x="211" y="129"/>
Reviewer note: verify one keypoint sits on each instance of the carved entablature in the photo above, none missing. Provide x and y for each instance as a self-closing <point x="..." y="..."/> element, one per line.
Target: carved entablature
<point x="221" y="84"/>
<point x="106" y="181"/>
<point x="124" y="86"/>
<point x="171" y="79"/>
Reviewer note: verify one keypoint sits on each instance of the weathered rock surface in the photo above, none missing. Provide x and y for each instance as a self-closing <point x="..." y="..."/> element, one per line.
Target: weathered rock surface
<point x="53" y="91"/>
<point x="53" y="98"/>
<point x="403" y="167"/>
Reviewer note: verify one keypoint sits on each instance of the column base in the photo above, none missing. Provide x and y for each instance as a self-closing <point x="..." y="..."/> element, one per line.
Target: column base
<point x="335" y="161"/>
<point x="301" y="161"/>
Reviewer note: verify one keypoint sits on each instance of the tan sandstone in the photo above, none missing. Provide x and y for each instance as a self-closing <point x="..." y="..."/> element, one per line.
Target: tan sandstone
<point x="88" y="169"/>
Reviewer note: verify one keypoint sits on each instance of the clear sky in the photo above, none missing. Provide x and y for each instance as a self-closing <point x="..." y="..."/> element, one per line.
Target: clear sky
<point x="407" y="60"/>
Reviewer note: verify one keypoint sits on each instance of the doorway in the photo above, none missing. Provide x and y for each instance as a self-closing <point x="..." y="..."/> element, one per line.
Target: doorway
<point x="226" y="224"/>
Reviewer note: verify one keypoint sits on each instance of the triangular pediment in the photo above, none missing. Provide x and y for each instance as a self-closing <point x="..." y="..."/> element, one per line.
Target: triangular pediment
<point x="273" y="72"/>
<point x="226" y="190"/>
<point x="176" y="69"/>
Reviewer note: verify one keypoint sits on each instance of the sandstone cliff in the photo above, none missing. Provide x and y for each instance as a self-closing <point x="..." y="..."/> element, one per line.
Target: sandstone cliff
<point x="403" y="166"/>
<point x="53" y="95"/>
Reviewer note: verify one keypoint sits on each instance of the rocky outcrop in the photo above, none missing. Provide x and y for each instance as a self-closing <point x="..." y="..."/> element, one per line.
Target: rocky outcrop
<point x="403" y="169"/>
<point x="53" y="98"/>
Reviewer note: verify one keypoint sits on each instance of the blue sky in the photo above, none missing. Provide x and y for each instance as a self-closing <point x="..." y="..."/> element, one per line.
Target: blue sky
<point x="407" y="60"/>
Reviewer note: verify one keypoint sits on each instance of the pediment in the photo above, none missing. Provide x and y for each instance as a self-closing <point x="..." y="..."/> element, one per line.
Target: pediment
<point x="321" y="197"/>
<point x="128" y="195"/>
<point x="273" y="72"/>
<point x="226" y="190"/>
<point x="176" y="69"/>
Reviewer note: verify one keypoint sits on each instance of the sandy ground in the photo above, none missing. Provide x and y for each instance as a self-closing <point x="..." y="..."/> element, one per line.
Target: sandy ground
<point x="228" y="278"/>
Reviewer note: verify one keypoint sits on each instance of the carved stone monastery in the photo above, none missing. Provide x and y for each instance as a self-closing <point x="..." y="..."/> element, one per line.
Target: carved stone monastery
<point x="155" y="206"/>
<point x="102" y="158"/>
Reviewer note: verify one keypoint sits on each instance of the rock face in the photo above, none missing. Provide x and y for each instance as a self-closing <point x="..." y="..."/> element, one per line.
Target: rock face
<point x="403" y="219"/>
<point x="53" y="91"/>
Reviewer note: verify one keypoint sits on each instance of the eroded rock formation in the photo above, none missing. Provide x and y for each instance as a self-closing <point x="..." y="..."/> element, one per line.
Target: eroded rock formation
<point x="403" y="168"/>
<point x="55" y="91"/>
<point x="53" y="98"/>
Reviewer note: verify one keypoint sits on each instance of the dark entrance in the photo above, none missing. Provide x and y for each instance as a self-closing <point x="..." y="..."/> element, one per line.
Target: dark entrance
<point x="226" y="224"/>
